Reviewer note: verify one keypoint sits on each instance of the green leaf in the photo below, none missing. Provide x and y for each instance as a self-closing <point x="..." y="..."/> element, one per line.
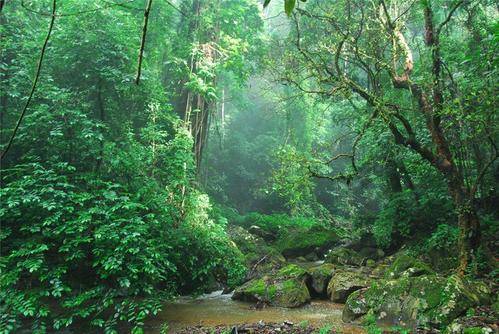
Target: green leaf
<point x="289" y="5"/>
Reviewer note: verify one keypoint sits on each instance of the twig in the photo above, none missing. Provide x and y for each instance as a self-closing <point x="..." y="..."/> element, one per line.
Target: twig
<point x="143" y="41"/>
<point x="176" y="8"/>
<point x="449" y="16"/>
<point x="35" y="81"/>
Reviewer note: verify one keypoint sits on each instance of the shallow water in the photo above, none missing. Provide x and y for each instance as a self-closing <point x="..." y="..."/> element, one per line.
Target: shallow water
<point x="218" y="309"/>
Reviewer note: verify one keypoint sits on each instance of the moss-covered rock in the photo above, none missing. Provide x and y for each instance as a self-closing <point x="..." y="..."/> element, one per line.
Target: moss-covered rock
<point x="406" y="265"/>
<point x="371" y="253"/>
<point x="355" y="306"/>
<point x="458" y="295"/>
<point x="264" y="263"/>
<point x="286" y="288"/>
<point x="482" y="324"/>
<point x="427" y="299"/>
<point x="320" y="277"/>
<point x="245" y="241"/>
<point x="290" y="293"/>
<point x="259" y="257"/>
<point x="261" y="233"/>
<point x="343" y="283"/>
<point x="344" y="256"/>
<point x="296" y="242"/>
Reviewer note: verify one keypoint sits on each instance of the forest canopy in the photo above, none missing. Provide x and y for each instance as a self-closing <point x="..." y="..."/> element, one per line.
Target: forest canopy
<point x="152" y="149"/>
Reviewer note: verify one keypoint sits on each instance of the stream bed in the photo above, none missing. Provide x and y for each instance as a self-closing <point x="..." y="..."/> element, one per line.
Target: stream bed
<point x="218" y="309"/>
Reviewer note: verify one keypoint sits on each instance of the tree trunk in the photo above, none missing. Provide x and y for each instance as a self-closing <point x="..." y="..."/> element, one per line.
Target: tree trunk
<point x="468" y="223"/>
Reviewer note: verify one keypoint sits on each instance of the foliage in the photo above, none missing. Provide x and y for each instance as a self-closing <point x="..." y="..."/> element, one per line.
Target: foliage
<point x="77" y="228"/>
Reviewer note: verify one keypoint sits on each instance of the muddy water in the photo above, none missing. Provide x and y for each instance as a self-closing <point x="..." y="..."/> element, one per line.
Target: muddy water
<point x="218" y="309"/>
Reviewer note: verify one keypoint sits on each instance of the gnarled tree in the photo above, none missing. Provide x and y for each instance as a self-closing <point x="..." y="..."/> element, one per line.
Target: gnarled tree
<point x="390" y="55"/>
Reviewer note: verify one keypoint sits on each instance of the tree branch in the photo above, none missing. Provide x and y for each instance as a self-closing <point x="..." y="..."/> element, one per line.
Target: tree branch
<point x="143" y="41"/>
<point x="35" y="81"/>
<point x="449" y="16"/>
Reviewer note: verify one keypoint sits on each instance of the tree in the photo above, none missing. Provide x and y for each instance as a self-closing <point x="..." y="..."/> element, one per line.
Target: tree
<point x="407" y="83"/>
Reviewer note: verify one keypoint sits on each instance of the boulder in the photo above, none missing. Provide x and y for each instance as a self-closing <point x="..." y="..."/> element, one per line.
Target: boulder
<point x="319" y="278"/>
<point x="458" y="295"/>
<point x="264" y="263"/>
<point x="344" y="256"/>
<point x="425" y="299"/>
<point x="259" y="257"/>
<point x="473" y="325"/>
<point x="296" y="242"/>
<point x="343" y="283"/>
<point x="372" y="253"/>
<point x="312" y="257"/>
<point x="406" y="265"/>
<point x="355" y="306"/>
<point x="285" y="288"/>
<point x="259" y="232"/>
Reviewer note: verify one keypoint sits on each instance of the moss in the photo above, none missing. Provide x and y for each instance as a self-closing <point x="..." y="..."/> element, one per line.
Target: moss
<point x="300" y="241"/>
<point x="257" y="287"/>
<point x="325" y="269"/>
<point x="406" y="265"/>
<point x="291" y="293"/>
<point x="458" y="295"/>
<point x="285" y="288"/>
<point x="355" y="306"/>
<point x="370" y="263"/>
<point x="271" y="292"/>
<point x="344" y="256"/>
<point x="344" y="283"/>
<point x="291" y="270"/>
<point x="473" y="330"/>
<point x="432" y="298"/>
<point x="428" y="289"/>
<point x="320" y="277"/>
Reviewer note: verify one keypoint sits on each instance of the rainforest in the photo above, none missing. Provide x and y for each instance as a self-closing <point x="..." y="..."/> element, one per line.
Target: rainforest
<point x="249" y="166"/>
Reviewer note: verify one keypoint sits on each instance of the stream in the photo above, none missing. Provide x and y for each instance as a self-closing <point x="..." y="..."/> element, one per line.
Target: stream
<point x="219" y="309"/>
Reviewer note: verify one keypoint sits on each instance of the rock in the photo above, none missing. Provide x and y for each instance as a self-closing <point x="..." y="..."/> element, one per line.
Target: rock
<point x="245" y="241"/>
<point x="312" y="257"/>
<point x="484" y="323"/>
<point x="265" y="263"/>
<point x="372" y="253"/>
<point x="259" y="232"/>
<point x="285" y="288"/>
<point x="343" y="283"/>
<point x="407" y="266"/>
<point x="259" y="257"/>
<point x="459" y="295"/>
<point x="355" y="306"/>
<point x="344" y="256"/>
<point x="295" y="242"/>
<point x="319" y="278"/>
<point x="428" y="300"/>
<point x="379" y="270"/>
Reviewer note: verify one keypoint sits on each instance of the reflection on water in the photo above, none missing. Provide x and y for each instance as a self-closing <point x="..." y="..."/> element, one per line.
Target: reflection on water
<point x="218" y="309"/>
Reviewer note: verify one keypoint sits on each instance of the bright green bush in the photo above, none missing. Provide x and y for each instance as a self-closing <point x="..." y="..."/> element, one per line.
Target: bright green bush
<point x="73" y="247"/>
